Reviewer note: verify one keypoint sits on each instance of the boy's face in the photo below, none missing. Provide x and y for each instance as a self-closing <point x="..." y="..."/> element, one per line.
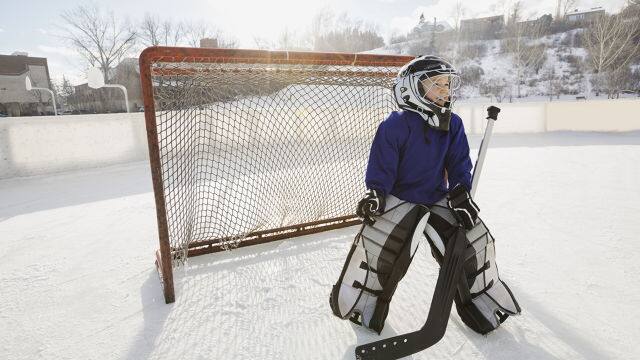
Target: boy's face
<point x="437" y="89"/>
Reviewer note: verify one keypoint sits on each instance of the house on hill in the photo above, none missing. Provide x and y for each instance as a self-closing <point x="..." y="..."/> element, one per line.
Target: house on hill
<point x="584" y="15"/>
<point x="536" y="25"/>
<point x="482" y="28"/>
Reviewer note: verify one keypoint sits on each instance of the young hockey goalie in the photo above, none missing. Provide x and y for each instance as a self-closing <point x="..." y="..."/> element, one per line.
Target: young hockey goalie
<point x="418" y="179"/>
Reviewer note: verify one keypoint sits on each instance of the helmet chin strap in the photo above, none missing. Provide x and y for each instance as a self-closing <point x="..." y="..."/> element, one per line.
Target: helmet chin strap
<point x="439" y="120"/>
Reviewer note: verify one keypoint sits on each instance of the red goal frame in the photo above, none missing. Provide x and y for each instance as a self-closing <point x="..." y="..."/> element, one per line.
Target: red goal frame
<point x="153" y="55"/>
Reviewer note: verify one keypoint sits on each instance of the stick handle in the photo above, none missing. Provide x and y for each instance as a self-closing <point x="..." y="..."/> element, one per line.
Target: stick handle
<point x="492" y="116"/>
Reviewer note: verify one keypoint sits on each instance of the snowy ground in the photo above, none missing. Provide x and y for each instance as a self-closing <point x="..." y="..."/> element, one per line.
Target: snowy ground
<point x="78" y="280"/>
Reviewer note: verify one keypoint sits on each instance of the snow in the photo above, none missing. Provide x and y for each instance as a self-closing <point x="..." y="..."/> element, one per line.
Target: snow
<point x="78" y="280"/>
<point x="569" y="63"/>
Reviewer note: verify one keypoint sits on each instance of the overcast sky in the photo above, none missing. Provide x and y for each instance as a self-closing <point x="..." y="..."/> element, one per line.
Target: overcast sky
<point x="31" y="25"/>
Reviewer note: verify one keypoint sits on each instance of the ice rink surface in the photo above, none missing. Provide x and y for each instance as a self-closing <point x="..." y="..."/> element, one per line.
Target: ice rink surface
<point x="78" y="280"/>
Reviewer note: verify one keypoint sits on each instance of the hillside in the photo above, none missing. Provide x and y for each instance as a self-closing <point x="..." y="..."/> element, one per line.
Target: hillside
<point x="561" y="70"/>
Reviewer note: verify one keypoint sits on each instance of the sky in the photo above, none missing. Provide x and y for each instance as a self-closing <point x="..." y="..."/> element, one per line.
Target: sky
<point x="34" y="26"/>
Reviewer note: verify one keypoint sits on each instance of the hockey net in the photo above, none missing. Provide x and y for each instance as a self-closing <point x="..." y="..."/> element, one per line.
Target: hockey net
<point x="251" y="146"/>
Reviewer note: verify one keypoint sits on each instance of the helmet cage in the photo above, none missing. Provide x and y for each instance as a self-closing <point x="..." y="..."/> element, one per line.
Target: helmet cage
<point x="417" y="82"/>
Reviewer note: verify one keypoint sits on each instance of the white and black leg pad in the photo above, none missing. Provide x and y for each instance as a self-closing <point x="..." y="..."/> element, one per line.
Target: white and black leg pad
<point x="483" y="300"/>
<point x="377" y="261"/>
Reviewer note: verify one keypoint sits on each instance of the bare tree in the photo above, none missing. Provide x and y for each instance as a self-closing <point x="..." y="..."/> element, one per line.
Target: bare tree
<point x="515" y="12"/>
<point x="285" y="40"/>
<point x="611" y="42"/>
<point x="154" y="32"/>
<point x="349" y="39"/>
<point x="226" y="43"/>
<point x="263" y="43"/>
<point x="172" y="34"/>
<point x="563" y="7"/>
<point x="567" y="5"/>
<point x="321" y="23"/>
<point x="495" y="87"/>
<point x="623" y="79"/>
<point x="457" y="13"/>
<point x="194" y="32"/>
<point x="150" y="30"/>
<point x="290" y="40"/>
<point x="99" y="37"/>
<point x="553" y="81"/>
<point x="341" y="33"/>
<point x="526" y="57"/>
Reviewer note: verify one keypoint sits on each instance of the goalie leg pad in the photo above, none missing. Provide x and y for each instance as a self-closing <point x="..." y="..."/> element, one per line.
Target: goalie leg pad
<point x="377" y="261"/>
<point x="483" y="300"/>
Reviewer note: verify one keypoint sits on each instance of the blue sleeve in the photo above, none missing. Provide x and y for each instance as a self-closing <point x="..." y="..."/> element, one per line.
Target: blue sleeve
<point x="458" y="162"/>
<point x="384" y="156"/>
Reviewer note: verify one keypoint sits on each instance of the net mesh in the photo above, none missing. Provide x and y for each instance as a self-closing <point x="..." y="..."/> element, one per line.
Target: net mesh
<point x="251" y="147"/>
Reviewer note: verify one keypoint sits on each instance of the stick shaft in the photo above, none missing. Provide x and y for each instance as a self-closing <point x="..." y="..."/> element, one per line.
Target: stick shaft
<point x="477" y="169"/>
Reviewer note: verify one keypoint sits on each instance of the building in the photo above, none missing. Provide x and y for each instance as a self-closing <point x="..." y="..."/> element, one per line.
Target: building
<point x="127" y="73"/>
<point x="108" y="99"/>
<point x="536" y="25"/>
<point x="209" y="43"/>
<point x="428" y="26"/>
<point x="15" y="100"/>
<point x="585" y="15"/>
<point x="483" y="28"/>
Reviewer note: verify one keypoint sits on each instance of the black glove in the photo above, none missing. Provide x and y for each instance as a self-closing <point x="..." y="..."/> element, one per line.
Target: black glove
<point x="371" y="204"/>
<point x="463" y="206"/>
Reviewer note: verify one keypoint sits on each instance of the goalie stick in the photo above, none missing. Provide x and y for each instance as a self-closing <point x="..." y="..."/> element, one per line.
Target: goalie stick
<point x="436" y="324"/>
<point x="446" y="286"/>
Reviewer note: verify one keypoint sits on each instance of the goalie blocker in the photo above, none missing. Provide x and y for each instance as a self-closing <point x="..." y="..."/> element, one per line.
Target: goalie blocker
<point x="382" y="252"/>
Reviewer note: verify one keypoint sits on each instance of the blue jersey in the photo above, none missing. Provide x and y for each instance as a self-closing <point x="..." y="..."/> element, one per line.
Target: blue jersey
<point x="405" y="164"/>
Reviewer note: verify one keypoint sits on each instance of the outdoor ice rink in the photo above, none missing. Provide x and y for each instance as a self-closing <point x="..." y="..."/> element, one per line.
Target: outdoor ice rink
<point x="78" y="279"/>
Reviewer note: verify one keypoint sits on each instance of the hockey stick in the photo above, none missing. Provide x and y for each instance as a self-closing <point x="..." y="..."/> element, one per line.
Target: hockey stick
<point x="436" y="324"/>
<point x="492" y="116"/>
<point x="446" y="286"/>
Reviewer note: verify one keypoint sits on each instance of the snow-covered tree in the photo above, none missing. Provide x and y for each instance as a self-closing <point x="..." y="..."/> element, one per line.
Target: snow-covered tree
<point x="65" y="90"/>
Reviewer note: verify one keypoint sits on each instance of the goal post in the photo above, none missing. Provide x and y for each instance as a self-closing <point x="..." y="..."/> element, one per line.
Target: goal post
<point x="252" y="146"/>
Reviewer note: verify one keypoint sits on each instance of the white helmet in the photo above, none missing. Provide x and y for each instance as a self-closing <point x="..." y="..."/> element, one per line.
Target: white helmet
<point x="416" y="79"/>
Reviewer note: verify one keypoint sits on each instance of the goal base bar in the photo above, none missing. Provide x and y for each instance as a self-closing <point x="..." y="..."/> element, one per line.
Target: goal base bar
<point x="261" y="237"/>
<point x="167" y="289"/>
<point x="258" y="237"/>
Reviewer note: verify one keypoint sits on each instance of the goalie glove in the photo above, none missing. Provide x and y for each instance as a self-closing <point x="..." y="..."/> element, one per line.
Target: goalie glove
<point x="371" y="204"/>
<point x="463" y="206"/>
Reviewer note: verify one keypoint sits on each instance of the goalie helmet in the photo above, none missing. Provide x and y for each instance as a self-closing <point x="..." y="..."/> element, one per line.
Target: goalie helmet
<point x="428" y="75"/>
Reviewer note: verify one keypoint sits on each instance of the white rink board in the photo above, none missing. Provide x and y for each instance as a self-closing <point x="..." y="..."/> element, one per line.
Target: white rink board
<point x="47" y="144"/>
